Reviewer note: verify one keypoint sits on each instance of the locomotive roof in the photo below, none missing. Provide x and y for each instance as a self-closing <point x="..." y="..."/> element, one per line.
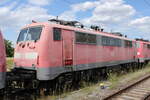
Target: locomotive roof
<point x="143" y="42"/>
<point x="77" y="29"/>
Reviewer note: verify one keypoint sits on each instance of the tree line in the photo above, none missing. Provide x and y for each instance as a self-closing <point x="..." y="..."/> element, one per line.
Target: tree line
<point x="9" y="48"/>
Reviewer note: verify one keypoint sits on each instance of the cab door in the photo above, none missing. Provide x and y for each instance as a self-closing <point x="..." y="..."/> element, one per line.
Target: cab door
<point x="67" y="41"/>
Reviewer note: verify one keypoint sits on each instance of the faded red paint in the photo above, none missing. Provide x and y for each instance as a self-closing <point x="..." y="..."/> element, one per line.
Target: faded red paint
<point x="142" y="50"/>
<point x="65" y="52"/>
<point x="2" y="55"/>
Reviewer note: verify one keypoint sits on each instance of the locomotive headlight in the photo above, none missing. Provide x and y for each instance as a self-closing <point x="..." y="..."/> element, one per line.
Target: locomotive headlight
<point x="31" y="55"/>
<point x="138" y="53"/>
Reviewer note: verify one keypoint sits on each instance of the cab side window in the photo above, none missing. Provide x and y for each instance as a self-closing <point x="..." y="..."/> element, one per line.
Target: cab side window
<point x="56" y="34"/>
<point x="128" y="43"/>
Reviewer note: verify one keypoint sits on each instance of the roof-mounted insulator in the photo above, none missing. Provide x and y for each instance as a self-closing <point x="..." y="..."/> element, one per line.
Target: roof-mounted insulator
<point x="101" y="29"/>
<point x="67" y="23"/>
<point x="33" y="21"/>
<point x="118" y="34"/>
<point x="96" y="28"/>
<point x="141" y="39"/>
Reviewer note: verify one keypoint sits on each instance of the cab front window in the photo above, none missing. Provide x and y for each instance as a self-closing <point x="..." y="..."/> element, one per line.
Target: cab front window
<point x="30" y="34"/>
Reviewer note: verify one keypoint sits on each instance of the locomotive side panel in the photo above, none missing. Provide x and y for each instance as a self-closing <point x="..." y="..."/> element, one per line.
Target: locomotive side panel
<point x="143" y="51"/>
<point x="50" y="51"/>
<point x="57" y="55"/>
<point x="50" y="54"/>
<point x="2" y="63"/>
<point x="27" y="47"/>
<point x="67" y="47"/>
<point x="103" y="54"/>
<point x="148" y="51"/>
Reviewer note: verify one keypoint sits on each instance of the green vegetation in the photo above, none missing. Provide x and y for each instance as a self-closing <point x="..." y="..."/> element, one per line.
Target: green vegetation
<point x="9" y="63"/>
<point x="115" y="79"/>
<point x="113" y="82"/>
<point x="9" y="48"/>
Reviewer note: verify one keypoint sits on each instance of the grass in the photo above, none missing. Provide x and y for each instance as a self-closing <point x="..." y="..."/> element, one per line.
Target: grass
<point x="115" y="80"/>
<point x="9" y="63"/>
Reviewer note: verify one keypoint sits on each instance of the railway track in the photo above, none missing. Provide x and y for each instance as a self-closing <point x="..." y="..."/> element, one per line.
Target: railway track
<point x="139" y="90"/>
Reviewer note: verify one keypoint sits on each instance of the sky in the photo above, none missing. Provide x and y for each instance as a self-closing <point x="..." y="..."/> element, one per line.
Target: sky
<point x="130" y="17"/>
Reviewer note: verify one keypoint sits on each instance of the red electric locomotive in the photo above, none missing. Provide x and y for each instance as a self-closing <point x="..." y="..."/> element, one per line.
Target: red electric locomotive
<point x="2" y="63"/>
<point x="46" y="51"/>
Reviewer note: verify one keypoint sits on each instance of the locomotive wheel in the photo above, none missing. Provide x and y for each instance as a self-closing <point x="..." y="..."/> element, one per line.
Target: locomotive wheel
<point x="59" y="87"/>
<point x="76" y="80"/>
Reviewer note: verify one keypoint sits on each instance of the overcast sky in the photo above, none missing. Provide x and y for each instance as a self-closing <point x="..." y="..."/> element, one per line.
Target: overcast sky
<point x="131" y="17"/>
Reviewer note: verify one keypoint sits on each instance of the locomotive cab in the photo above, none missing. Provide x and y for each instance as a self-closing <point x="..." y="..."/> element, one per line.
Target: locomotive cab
<point x="41" y="49"/>
<point x="26" y="51"/>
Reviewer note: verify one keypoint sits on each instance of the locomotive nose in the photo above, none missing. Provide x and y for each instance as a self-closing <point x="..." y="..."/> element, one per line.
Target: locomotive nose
<point x="26" y="59"/>
<point x="31" y="55"/>
<point x="26" y="55"/>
